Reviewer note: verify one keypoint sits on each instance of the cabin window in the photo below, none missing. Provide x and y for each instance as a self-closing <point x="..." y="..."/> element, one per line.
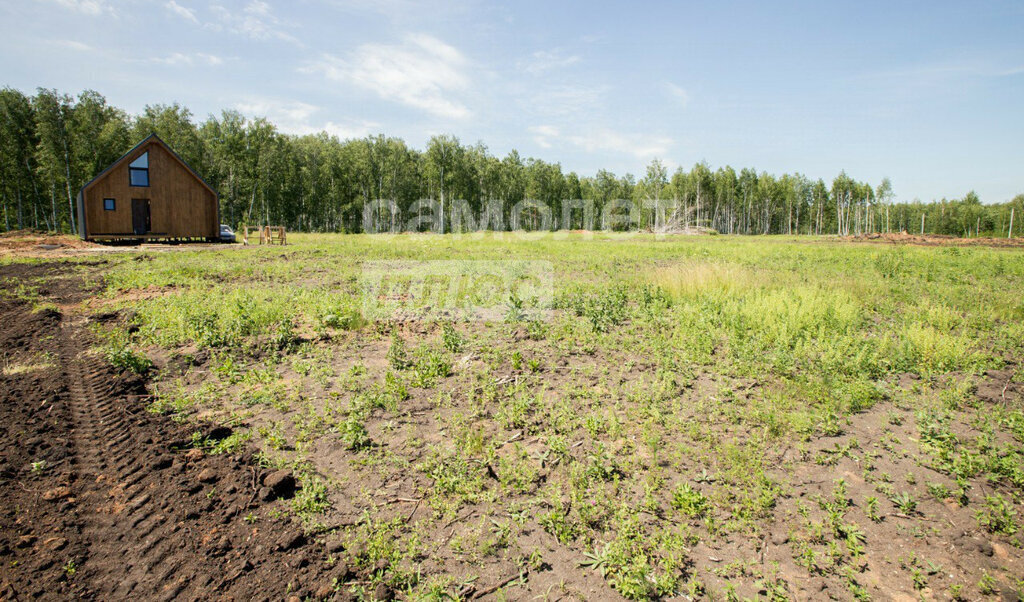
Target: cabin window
<point x="138" y="171"/>
<point x="108" y="204"/>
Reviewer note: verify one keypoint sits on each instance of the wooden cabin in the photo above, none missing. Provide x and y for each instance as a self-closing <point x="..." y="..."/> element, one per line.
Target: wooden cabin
<point x="148" y="194"/>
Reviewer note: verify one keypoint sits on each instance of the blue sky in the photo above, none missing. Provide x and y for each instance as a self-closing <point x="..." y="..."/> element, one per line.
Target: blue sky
<point x="926" y="93"/>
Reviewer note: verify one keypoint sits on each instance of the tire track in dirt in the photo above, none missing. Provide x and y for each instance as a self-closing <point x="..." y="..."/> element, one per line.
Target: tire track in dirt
<point x="128" y="528"/>
<point x="100" y="434"/>
<point x="154" y="522"/>
<point x="123" y="507"/>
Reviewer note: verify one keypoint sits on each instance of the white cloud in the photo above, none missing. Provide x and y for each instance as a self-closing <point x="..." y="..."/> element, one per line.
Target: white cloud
<point x="256" y="21"/>
<point x="75" y="45"/>
<point x="185" y="13"/>
<point x="566" y="100"/>
<point x="543" y="135"/>
<point x="679" y="93"/>
<point x="296" y="117"/>
<point x="89" y="7"/>
<point x="925" y="77"/>
<point x="390" y="8"/>
<point x="422" y="72"/>
<point x="544" y="60"/>
<point x="344" y="131"/>
<point x="175" y="58"/>
<point x="178" y="58"/>
<point x="641" y="146"/>
<point x="283" y="111"/>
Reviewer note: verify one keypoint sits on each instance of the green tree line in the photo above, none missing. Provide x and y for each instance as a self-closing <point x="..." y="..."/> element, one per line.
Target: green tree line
<point x="52" y="143"/>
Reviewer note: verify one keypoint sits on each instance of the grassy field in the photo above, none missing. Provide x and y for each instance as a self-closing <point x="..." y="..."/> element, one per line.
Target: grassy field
<point x="700" y="416"/>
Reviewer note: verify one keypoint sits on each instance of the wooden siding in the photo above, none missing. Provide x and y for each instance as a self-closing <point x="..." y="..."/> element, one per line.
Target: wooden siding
<point x="181" y="206"/>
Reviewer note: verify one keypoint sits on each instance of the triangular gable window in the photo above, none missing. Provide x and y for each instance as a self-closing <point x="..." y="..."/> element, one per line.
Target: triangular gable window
<point x="138" y="170"/>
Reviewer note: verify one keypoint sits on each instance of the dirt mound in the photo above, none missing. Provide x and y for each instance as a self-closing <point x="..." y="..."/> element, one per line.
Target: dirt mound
<point x="34" y="243"/>
<point x="684" y="230"/>
<point x="103" y="500"/>
<point x="933" y="240"/>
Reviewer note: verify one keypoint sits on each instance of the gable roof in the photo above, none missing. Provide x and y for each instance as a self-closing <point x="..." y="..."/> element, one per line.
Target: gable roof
<point x="150" y="138"/>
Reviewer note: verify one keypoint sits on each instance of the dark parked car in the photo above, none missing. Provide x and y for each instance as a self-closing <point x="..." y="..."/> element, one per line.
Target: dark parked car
<point x="226" y="233"/>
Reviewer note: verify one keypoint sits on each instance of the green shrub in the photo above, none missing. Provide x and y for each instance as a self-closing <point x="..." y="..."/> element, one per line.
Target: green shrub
<point x="998" y="516"/>
<point x="354" y="433"/>
<point x="558" y="523"/>
<point x="431" y="365"/>
<point x="890" y="263"/>
<point x="451" y="338"/>
<point x="284" y="337"/>
<point x="398" y="356"/>
<point x="604" y="308"/>
<point x="342" y="318"/>
<point x="689" y="501"/>
<point x="311" y="499"/>
<point x="124" y="358"/>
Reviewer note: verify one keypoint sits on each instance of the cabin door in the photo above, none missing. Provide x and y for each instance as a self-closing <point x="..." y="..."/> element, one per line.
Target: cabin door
<point x="140" y="216"/>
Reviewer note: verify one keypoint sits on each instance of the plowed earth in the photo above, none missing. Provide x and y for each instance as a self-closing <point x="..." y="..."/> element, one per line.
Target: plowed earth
<point x="104" y="501"/>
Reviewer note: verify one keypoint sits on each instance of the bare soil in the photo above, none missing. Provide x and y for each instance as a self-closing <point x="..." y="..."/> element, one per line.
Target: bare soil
<point x="934" y="240"/>
<point x="45" y="245"/>
<point x="104" y="501"/>
<point x="36" y="243"/>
